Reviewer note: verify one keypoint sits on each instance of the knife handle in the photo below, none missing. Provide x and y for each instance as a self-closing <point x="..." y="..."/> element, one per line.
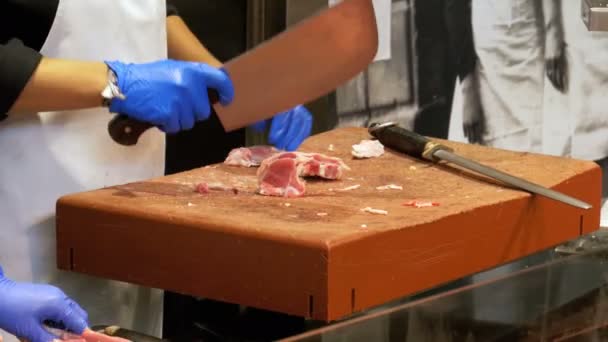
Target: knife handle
<point x="406" y="141"/>
<point x="126" y="131"/>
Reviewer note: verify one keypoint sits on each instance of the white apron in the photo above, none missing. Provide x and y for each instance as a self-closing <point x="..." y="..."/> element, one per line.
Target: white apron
<point x="508" y="42"/>
<point x="47" y="155"/>
<point x="579" y="125"/>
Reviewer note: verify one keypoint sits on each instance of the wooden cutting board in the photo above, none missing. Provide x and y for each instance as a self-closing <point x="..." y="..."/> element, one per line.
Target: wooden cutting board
<point x="320" y="256"/>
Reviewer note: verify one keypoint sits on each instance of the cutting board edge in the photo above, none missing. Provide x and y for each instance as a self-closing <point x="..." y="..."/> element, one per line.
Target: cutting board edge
<point x="346" y="299"/>
<point x="136" y="262"/>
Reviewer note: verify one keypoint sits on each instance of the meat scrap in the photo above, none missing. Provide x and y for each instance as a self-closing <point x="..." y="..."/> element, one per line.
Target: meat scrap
<point x="420" y="204"/>
<point x="375" y="211"/>
<point x="368" y="149"/>
<point x="283" y="174"/>
<point x="389" y="187"/>
<point x="348" y="188"/>
<point x="205" y="188"/>
<point x="250" y="156"/>
<point x="88" y="336"/>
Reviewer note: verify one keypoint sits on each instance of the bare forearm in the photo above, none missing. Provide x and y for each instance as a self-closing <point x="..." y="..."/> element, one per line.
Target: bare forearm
<point x="62" y="85"/>
<point x="183" y="44"/>
<point x="552" y="14"/>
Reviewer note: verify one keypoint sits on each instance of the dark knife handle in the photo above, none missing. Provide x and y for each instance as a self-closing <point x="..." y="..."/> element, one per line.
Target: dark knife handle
<point x="126" y="131"/>
<point x="405" y="141"/>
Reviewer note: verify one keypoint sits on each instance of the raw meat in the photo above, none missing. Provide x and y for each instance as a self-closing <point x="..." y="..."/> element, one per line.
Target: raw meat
<point x="389" y="187"/>
<point x="87" y="336"/>
<point x="280" y="178"/>
<point x="375" y="211"/>
<point x="420" y="204"/>
<point x="250" y="156"/>
<point x="205" y="188"/>
<point x="281" y="174"/>
<point x="92" y="336"/>
<point x="348" y="188"/>
<point x="368" y="149"/>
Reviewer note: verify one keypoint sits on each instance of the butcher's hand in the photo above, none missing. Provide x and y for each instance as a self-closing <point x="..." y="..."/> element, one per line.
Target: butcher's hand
<point x="288" y="129"/>
<point x="24" y="307"/>
<point x="473" y="118"/>
<point x="556" y="62"/>
<point x="556" y="65"/>
<point x="170" y="94"/>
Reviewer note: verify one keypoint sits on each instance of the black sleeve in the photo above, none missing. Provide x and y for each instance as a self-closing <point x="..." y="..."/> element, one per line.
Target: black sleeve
<point x="460" y="36"/>
<point x="17" y="64"/>
<point x="24" y="27"/>
<point x="171" y="9"/>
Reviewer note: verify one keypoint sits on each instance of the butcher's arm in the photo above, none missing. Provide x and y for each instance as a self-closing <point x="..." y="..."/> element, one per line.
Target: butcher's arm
<point x="32" y="83"/>
<point x="183" y="44"/>
<point x="554" y="28"/>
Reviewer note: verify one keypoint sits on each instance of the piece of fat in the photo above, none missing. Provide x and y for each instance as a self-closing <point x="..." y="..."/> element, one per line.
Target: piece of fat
<point x="375" y="211"/>
<point x="350" y="188"/>
<point x="389" y="187"/>
<point x="368" y="149"/>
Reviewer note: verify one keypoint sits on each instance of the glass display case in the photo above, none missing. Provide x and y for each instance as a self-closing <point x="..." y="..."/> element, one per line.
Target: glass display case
<point x="563" y="298"/>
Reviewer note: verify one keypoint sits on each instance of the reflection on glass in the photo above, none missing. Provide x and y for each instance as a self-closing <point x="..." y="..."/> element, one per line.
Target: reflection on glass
<point x="562" y="300"/>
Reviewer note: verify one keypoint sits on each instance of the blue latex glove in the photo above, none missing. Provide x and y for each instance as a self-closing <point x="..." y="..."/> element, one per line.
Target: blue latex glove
<point x="172" y="95"/>
<point x="288" y="129"/>
<point x="24" y="307"/>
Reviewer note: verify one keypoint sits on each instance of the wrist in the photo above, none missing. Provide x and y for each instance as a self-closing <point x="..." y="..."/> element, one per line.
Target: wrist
<point x="112" y="89"/>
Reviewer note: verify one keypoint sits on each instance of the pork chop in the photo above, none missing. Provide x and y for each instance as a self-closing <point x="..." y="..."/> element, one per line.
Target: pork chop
<point x="282" y="174"/>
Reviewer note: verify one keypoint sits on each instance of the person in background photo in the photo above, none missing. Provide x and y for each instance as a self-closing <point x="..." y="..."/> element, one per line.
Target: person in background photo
<point x="577" y="119"/>
<point x="517" y="43"/>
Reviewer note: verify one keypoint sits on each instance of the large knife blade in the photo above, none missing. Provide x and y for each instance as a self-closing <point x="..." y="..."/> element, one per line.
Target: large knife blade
<point x="418" y="146"/>
<point x="295" y="67"/>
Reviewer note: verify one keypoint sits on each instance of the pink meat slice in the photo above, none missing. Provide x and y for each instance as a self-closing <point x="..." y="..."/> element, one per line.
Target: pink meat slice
<point x="280" y="178"/>
<point x="250" y="156"/>
<point x="88" y="336"/>
<point x="282" y="174"/>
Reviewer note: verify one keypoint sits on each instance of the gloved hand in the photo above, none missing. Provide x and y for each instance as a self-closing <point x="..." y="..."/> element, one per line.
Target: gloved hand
<point x="169" y="94"/>
<point x="288" y="129"/>
<point x="24" y="307"/>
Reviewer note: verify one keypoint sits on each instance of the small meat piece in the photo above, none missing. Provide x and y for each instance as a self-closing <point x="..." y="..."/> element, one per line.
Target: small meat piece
<point x="349" y="188"/>
<point x="375" y="211"/>
<point x="368" y="149"/>
<point x="420" y="204"/>
<point x="250" y="156"/>
<point x="205" y="188"/>
<point x="389" y="187"/>
<point x="281" y="174"/>
<point x="202" y="188"/>
<point x="93" y="336"/>
<point x="87" y="336"/>
<point x="280" y="178"/>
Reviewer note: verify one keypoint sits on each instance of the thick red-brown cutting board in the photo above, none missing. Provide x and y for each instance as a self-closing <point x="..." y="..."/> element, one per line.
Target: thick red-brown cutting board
<point x="285" y="255"/>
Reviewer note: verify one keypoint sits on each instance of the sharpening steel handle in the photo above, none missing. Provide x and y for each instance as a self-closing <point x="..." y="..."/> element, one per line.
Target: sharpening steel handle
<point x="126" y="131"/>
<point x="402" y="140"/>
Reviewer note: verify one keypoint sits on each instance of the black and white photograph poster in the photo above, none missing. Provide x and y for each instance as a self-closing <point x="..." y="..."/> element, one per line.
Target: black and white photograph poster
<point x="522" y="75"/>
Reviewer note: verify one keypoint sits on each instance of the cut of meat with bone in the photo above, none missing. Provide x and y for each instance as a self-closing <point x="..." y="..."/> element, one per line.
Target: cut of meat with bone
<point x="250" y="156"/>
<point x="280" y="178"/>
<point x="280" y="175"/>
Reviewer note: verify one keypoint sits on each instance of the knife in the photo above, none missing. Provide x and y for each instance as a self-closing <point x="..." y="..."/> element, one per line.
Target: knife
<point x="418" y="146"/>
<point x="297" y="66"/>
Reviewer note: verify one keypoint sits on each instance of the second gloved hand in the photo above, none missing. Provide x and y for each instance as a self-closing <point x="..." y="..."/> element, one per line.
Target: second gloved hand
<point x="288" y="129"/>
<point x="169" y="94"/>
<point x="24" y="307"/>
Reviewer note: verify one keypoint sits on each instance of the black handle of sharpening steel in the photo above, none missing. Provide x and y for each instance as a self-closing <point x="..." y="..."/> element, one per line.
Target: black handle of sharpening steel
<point x="126" y="131"/>
<point x="402" y="140"/>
